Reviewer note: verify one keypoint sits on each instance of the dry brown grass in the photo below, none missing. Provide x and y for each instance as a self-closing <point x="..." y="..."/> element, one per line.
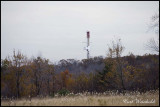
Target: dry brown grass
<point x="130" y="99"/>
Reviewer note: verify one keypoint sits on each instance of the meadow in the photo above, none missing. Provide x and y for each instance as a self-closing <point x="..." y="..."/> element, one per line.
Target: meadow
<point x="110" y="98"/>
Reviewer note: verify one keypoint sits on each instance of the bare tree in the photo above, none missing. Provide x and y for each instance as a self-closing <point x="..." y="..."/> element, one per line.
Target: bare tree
<point x="115" y="51"/>
<point x="18" y="60"/>
<point x="153" y="43"/>
<point x="155" y="22"/>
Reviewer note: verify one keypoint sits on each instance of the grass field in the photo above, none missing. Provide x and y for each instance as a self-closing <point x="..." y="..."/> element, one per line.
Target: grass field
<point x="86" y="99"/>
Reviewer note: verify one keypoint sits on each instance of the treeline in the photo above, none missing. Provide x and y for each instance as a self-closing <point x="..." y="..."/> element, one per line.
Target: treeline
<point x="77" y="66"/>
<point x="23" y="77"/>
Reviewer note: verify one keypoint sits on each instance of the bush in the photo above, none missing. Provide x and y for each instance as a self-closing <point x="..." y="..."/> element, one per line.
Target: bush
<point x="63" y="92"/>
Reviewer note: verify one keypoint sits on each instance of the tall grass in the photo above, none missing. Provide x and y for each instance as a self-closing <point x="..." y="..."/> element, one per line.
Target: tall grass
<point x="109" y="98"/>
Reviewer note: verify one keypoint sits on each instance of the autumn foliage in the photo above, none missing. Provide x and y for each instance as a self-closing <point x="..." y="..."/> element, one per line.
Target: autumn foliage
<point x="23" y="77"/>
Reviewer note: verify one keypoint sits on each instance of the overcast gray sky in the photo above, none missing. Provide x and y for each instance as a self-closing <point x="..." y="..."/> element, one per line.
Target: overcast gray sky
<point x="57" y="30"/>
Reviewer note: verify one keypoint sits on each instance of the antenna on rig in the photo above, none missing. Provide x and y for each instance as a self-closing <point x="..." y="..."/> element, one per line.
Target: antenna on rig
<point x="88" y="44"/>
<point x="87" y="48"/>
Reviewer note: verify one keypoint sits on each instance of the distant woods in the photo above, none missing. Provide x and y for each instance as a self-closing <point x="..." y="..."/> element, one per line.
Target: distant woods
<point x="23" y="77"/>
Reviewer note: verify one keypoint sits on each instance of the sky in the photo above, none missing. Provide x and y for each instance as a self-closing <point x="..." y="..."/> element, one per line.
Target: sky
<point x="57" y="29"/>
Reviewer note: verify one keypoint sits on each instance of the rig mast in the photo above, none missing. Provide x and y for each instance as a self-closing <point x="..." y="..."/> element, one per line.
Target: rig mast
<point x="87" y="48"/>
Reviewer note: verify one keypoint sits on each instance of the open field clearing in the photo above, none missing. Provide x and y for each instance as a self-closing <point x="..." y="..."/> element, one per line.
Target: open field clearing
<point x="146" y="99"/>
